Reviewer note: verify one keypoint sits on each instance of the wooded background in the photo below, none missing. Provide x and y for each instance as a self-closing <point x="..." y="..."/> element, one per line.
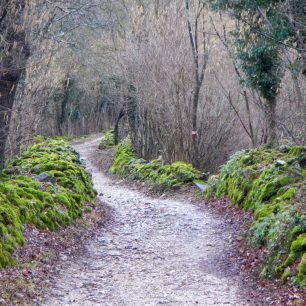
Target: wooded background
<point x="191" y="80"/>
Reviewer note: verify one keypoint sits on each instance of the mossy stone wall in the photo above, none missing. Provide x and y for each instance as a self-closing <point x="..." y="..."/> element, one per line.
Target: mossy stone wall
<point x="272" y="184"/>
<point x="161" y="177"/>
<point x="45" y="187"/>
<point x="108" y="140"/>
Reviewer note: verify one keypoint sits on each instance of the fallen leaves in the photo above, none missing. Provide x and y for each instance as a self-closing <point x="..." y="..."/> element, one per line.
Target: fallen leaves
<point x="36" y="262"/>
<point x="248" y="261"/>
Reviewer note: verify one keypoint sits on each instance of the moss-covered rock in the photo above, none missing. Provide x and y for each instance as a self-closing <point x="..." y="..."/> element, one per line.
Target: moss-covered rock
<point x="46" y="187"/>
<point x="161" y="177"/>
<point x="108" y="140"/>
<point x="271" y="183"/>
<point x="302" y="271"/>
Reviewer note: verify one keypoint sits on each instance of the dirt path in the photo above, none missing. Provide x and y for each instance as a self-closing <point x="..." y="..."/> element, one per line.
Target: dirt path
<point x="153" y="252"/>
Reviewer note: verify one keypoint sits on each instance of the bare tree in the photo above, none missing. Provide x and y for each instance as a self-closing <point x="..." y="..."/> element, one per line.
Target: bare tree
<point x="13" y="56"/>
<point x="199" y="44"/>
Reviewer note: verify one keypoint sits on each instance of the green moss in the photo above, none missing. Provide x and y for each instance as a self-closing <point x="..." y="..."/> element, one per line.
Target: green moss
<point x="270" y="183"/>
<point x="285" y="194"/>
<point x="266" y="210"/>
<point x="290" y="259"/>
<point x="286" y="274"/>
<point x="39" y="138"/>
<point x="299" y="244"/>
<point x="123" y="158"/>
<point x="298" y="229"/>
<point x="5" y="258"/>
<point x="212" y="186"/>
<point x="48" y="204"/>
<point x="108" y="140"/>
<point x="63" y="199"/>
<point x="161" y="177"/>
<point x="302" y="271"/>
<point x="297" y="151"/>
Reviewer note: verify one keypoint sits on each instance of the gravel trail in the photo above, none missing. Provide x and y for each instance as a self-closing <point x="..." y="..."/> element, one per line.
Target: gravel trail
<point x="153" y="252"/>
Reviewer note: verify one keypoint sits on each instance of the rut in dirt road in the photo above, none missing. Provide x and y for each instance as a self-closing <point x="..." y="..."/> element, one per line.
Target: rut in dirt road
<point x="154" y="252"/>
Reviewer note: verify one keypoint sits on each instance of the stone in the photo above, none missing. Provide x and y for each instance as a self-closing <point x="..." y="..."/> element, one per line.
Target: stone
<point x="19" y="295"/>
<point x="45" y="177"/>
<point x="280" y="162"/>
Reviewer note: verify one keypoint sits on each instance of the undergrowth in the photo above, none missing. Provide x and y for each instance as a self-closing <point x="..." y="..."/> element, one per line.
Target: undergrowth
<point x="45" y="187"/>
<point x="108" y="140"/>
<point x="161" y="177"/>
<point x="271" y="183"/>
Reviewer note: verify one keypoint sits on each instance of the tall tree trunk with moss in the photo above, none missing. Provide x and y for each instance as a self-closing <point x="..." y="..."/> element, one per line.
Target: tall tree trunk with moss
<point x="12" y="62"/>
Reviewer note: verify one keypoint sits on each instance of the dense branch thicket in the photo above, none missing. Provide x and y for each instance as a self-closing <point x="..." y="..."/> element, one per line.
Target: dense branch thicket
<point x="13" y="55"/>
<point x="190" y="80"/>
<point x="71" y="82"/>
<point x="248" y="87"/>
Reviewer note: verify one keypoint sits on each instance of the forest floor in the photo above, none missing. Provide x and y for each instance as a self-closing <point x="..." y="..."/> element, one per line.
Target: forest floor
<point x="161" y="250"/>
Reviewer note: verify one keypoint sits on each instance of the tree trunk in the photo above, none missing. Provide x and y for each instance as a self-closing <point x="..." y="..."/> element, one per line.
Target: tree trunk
<point x="303" y="55"/>
<point x="116" y="128"/>
<point x="199" y="70"/>
<point x="12" y="62"/>
<point x="195" y="138"/>
<point x="8" y="85"/>
<point x="271" y="123"/>
<point x="304" y="63"/>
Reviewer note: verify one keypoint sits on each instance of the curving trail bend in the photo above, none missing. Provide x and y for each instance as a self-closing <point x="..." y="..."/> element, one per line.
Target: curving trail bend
<point x="153" y="252"/>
